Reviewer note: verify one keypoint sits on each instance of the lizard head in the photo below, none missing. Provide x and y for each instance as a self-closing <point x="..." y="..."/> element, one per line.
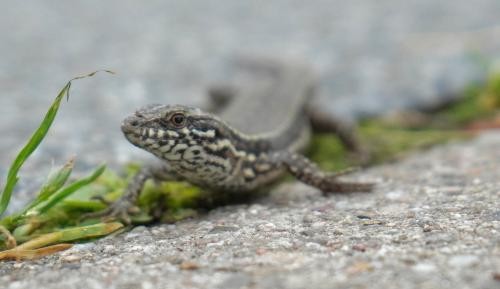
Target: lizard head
<point x="173" y="132"/>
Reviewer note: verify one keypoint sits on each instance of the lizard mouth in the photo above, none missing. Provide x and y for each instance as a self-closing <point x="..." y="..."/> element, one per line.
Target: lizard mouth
<point x="135" y="131"/>
<point x="139" y="133"/>
<point x="157" y="141"/>
<point x="131" y="126"/>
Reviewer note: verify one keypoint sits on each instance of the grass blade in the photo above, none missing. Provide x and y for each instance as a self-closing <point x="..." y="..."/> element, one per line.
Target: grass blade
<point x="16" y="254"/>
<point x="66" y="191"/>
<point x="10" y="241"/>
<point x="54" y="182"/>
<point x="33" y="143"/>
<point x="71" y="234"/>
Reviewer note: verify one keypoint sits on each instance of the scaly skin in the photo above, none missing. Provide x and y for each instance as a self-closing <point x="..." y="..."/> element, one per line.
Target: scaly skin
<point x="201" y="148"/>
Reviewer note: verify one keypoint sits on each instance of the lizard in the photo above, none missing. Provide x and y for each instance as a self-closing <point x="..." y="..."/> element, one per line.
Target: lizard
<point x="254" y="136"/>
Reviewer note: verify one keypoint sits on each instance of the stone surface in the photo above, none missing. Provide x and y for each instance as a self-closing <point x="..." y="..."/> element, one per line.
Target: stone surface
<point x="432" y="222"/>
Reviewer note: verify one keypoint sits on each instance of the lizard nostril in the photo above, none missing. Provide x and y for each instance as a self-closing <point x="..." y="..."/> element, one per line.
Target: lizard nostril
<point x="134" y="123"/>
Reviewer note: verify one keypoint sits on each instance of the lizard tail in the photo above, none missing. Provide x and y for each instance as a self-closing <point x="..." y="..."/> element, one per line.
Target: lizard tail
<point x="333" y="185"/>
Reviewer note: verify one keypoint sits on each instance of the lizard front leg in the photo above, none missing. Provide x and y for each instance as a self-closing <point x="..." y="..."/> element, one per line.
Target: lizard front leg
<point x="126" y="204"/>
<point x="309" y="173"/>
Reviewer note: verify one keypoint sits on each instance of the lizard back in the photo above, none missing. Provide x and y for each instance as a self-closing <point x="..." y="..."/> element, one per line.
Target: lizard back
<point x="270" y="99"/>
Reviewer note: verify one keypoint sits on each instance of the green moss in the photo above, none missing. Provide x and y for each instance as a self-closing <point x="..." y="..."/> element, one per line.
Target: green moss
<point x="173" y="201"/>
<point x="386" y="144"/>
<point x="462" y="112"/>
<point x="383" y="143"/>
<point x="329" y="153"/>
<point x="489" y="97"/>
<point x="479" y="102"/>
<point x="388" y="140"/>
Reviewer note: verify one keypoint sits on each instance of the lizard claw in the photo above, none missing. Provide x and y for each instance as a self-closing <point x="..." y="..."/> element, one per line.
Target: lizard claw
<point x="119" y="210"/>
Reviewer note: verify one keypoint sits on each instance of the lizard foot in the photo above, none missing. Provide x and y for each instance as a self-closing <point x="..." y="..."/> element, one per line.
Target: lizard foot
<point x="309" y="173"/>
<point x="119" y="210"/>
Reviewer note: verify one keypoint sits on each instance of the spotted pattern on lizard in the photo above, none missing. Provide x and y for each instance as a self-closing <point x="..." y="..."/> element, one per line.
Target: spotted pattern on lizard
<point x="203" y="149"/>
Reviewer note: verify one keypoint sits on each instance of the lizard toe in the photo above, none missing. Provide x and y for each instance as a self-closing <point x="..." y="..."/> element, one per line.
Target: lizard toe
<point x="118" y="211"/>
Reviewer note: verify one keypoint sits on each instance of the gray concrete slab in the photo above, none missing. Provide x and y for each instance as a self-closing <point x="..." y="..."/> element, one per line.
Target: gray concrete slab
<point x="432" y="222"/>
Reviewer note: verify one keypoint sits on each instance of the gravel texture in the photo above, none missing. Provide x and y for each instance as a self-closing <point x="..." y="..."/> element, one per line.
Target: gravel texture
<point x="432" y="222"/>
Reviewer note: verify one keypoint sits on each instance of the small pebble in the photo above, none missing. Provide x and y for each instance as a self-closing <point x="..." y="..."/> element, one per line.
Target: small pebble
<point x="463" y="261"/>
<point x="71" y="258"/>
<point x="359" y="267"/>
<point x="359" y="247"/>
<point x="424" y="267"/>
<point x="189" y="265"/>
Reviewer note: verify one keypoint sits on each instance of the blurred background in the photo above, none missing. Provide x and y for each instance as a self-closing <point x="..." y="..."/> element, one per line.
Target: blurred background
<point x="372" y="57"/>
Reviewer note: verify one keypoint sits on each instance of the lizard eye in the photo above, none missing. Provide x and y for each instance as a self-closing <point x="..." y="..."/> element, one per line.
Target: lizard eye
<point x="178" y="119"/>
